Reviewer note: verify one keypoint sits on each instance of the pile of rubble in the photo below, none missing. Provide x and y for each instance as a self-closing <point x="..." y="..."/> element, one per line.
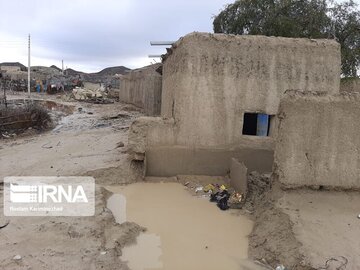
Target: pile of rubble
<point x="98" y="95"/>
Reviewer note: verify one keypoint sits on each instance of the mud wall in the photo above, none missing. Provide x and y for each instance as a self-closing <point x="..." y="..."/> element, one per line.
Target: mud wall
<point x="318" y="140"/>
<point x="238" y="176"/>
<point x="350" y="85"/>
<point x="169" y="161"/>
<point x="142" y="88"/>
<point x="211" y="80"/>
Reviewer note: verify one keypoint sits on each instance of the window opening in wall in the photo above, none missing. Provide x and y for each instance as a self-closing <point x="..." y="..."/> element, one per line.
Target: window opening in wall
<point x="257" y="124"/>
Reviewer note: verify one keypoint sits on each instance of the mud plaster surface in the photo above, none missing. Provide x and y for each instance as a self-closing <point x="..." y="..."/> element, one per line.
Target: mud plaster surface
<point x="326" y="225"/>
<point x="305" y="229"/>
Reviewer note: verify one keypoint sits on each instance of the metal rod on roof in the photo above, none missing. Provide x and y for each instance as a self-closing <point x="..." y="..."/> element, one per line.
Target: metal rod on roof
<point x="161" y="43"/>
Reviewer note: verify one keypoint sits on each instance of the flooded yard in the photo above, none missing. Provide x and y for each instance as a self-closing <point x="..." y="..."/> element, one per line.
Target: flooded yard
<point x="183" y="231"/>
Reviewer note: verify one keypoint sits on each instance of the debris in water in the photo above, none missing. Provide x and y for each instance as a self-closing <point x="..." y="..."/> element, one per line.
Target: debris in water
<point x="236" y="200"/>
<point x="225" y="196"/>
<point x="221" y="198"/>
<point x="209" y="188"/>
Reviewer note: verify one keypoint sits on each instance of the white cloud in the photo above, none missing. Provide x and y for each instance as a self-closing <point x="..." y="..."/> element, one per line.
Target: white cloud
<point x="92" y="34"/>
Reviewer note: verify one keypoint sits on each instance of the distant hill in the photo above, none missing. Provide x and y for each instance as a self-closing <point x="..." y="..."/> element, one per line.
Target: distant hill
<point x="101" y="76"/>
<point x="113" y="70"/>
<point x="14" y="64"/>
<point x="104" y="75"/>
<point x="55" y="67"/>
<point x="47" y="71"/>
<point x="73" y="72"/>
<point x="110" y="71"/>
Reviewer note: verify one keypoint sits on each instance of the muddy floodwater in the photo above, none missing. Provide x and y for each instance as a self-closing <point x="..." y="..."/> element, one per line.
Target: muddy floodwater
<point x="183" y="231"/>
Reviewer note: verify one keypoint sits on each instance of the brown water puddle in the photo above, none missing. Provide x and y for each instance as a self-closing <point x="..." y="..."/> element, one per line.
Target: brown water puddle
<point x="54" y="106"/>
<point x="183" y="231"/>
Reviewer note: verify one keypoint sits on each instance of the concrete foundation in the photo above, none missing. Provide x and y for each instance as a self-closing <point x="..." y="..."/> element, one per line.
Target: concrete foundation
<point x="142" y="88"/>
<point x="318" y="141"/>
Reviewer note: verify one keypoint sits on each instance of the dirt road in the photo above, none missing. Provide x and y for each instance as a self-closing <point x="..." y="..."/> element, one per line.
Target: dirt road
<point x="87" y="140"/>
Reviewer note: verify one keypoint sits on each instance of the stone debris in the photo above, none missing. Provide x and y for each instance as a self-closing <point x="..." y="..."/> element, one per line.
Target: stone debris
<point x="95" y="95"/>
<point x="84" y="94"/>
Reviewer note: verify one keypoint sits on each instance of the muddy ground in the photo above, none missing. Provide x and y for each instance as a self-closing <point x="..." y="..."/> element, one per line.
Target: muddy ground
<point x="91" y="141"/>
<point x="303" y="229"/>
<point x="300" y="229"/>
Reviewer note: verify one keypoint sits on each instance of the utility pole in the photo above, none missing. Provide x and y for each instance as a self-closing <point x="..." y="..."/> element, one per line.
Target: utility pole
<point x="29" y="66"/>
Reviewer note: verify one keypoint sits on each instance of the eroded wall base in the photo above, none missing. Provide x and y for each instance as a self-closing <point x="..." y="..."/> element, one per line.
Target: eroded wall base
<point x="169" y="161"/>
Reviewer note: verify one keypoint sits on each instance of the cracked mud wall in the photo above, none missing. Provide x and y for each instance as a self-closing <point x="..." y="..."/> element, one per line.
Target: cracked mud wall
<point x="170" y="159"/>
<point x="142" y="88"/>
<point x="210" y="80"/>
<point x="318" y="141"/>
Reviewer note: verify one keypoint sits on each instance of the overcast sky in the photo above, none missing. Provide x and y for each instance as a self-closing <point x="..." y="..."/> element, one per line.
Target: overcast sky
<point x="90" y="35"/>
<point x="93" y="34"/>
